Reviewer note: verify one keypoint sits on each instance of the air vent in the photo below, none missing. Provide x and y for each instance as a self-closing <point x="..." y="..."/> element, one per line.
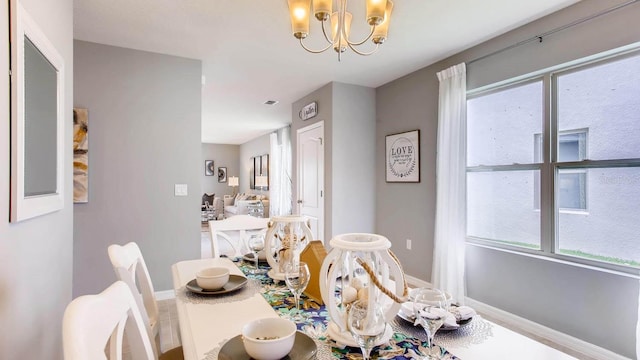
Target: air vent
<point x="271" y="102"/>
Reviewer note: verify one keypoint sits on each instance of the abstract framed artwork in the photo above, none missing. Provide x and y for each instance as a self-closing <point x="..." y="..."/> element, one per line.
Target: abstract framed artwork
<point x="209" y="169"/>
<point x="80" y="155"/>
<point x="222" y="174"/>
<point x="402" y="157"/>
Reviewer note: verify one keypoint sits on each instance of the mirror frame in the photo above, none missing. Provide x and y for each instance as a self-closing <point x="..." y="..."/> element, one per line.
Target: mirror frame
<point x="26" y="207"/>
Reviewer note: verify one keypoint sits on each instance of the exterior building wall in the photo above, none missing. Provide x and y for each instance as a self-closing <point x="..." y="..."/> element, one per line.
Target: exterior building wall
<point x="608" y="110"/>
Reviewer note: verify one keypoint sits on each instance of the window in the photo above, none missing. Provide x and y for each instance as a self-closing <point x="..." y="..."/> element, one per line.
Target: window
<point x="572" y="188"/>
<point x="582" y="172"/>
<point x="502" y="165"/>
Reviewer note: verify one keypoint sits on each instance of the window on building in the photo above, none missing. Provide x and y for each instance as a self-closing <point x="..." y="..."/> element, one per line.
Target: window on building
<point x="582" y="172"/>
<point x="571" y="184"/>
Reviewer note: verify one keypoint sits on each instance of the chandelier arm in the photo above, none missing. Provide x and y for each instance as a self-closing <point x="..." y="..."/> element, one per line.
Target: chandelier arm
<point x="373" y="29"/>
<point x="314" y="51"/>
<point x="352" y="47"/>
<point x="324" y="32"/>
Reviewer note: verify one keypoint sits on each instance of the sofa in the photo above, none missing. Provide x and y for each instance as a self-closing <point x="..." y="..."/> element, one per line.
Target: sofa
<point x="243" y="204"/>
<point x="212" y="207"/>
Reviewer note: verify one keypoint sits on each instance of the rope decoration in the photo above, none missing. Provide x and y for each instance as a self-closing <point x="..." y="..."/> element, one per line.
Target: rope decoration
<point x="376" y="282"/>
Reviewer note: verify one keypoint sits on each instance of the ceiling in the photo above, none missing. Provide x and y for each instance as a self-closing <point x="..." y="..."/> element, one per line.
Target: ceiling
<point x="249" y="55"/>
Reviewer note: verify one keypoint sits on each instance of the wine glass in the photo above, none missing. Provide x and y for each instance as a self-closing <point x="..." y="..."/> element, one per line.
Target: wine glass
<point x="296" y="276"/>
<point x="367" y="325"/>
<point x="256" y="244"/>
<point x="430" y="308"/>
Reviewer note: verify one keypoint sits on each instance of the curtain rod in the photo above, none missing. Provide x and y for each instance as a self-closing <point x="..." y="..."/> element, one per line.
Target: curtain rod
<point x="551" y="32"/>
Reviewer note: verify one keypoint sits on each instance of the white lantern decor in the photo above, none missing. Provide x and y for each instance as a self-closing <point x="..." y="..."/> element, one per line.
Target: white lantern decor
<point x="360" y="267"/>
<point x="286" y="237"/>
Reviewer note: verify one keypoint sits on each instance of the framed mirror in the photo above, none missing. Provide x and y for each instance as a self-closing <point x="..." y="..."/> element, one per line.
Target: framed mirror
<point x="37" y="120"/>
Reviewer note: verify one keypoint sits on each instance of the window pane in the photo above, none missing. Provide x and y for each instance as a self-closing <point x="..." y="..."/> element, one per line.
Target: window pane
<point x="500" y="125"/>
<point x="611" y="230"/>
<point x="572" y="190"/>
<point x="500" y="207"/>
<point x="603" y="99"/>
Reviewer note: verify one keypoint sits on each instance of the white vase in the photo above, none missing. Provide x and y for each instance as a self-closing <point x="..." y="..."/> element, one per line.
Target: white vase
<point x="343" y="279"/>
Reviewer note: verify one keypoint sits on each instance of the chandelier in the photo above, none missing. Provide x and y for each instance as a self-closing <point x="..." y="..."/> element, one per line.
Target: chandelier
<point x="378" y="17"/>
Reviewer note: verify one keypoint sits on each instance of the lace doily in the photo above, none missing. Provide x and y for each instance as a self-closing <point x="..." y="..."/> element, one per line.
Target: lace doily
<point x="252" y="287"/>
<point x="475" y="332"/>
<point x="213" y="353"/>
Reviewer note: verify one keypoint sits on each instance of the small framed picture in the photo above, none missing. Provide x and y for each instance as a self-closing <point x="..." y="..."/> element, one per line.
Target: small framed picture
<point x="208" y="168"/>
<point x="402" y="157"/>
<point x="222" y="174"/>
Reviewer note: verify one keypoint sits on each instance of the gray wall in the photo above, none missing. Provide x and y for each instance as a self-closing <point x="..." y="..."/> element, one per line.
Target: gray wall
<point x="353" y="159"/>
<point x="562" y="296"/>
<point x="256" y="147"/>
<point x="223" y="156"/>
<point x="144" y="131"/>
<point x="348" y="112"/>
<point x="36" y="254"/>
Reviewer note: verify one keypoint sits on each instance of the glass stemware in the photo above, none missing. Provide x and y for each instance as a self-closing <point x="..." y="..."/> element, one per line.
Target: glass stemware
<point x="430" y="308"/>
<point x="367" y="325"/>
<point x="296" y="276"/>
<point x="256" y="244"/>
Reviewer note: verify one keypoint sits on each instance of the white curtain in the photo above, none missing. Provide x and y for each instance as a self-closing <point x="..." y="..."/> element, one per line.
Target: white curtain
<point x="638" y="332"/>
<point x="280" y="182"/>
<point x="450" y="229"/>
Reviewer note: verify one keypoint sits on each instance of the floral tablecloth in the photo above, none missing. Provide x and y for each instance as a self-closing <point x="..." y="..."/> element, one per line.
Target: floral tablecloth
<point x="400" y="346"/>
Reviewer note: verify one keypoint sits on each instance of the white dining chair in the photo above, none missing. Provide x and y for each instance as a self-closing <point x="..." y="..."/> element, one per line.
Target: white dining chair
<point x="130" y="267"/>
<point x="94" y="327"/>
<point x="235" y="231"/>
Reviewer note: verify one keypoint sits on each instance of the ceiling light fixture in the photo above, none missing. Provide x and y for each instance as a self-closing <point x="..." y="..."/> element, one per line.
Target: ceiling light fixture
<point x="378" y="17"/>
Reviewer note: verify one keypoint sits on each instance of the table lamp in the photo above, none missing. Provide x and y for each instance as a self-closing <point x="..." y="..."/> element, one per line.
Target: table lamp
<point x="233" y="182"/>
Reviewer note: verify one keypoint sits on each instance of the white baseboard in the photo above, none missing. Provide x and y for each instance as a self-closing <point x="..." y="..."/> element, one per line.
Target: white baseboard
<point x="414" y="282"/>
<point x="165" y="295"/>
<point x="555" y="336"/>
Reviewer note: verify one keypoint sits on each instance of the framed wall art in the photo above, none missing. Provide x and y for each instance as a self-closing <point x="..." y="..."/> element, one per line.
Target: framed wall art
<point x="80" y="155"/>
<point x="402" y="157"/>
<point x="222" y="174"/>
<point x="37" y="120"/>
<point x="264" y="169"/>
<point x="252" y="174"/>
<point x="209" y="169"/>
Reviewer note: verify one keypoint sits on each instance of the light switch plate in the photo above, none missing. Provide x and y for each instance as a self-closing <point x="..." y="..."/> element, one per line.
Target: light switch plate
<point x="181" y="190"/>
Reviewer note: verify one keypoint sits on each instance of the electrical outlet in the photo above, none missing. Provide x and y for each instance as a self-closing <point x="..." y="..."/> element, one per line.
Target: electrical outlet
<point x="408" y="244"/>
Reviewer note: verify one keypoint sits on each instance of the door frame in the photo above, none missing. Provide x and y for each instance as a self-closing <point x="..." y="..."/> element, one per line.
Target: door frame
<point x="321" y="170"/>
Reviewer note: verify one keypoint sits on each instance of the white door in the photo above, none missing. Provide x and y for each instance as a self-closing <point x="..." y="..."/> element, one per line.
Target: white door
<point x="310" y="152"/>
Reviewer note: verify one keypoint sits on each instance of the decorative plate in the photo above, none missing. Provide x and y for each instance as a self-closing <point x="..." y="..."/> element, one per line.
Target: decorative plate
<point x="235" y="282"/>
<point x="304" y="348"/>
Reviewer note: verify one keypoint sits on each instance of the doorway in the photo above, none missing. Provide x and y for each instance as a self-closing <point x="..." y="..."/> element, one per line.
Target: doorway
<point x="310" y="162"/>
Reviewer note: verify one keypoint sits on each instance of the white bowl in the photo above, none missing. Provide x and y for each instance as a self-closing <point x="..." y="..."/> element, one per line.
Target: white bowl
<point x="269" y="338"/>
<point x="212" y="278"/>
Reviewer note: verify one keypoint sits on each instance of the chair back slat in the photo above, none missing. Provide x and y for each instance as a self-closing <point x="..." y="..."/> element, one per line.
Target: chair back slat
<point x="234" y="231"/>
<point x="130" y="267"/>
<point x="91" y="321"/>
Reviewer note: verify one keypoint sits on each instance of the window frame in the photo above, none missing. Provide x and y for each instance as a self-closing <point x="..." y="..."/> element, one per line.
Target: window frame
<point x="549" y="166"/>
<point x="537" y="139"/>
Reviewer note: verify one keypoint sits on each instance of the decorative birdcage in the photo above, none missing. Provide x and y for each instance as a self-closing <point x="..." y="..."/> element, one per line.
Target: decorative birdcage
<point x="360" y="267"/>
<point x="286" y="237"/>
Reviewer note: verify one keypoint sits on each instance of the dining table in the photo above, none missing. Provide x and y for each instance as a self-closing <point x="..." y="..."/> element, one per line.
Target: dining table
<point x="209" y="322"/>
